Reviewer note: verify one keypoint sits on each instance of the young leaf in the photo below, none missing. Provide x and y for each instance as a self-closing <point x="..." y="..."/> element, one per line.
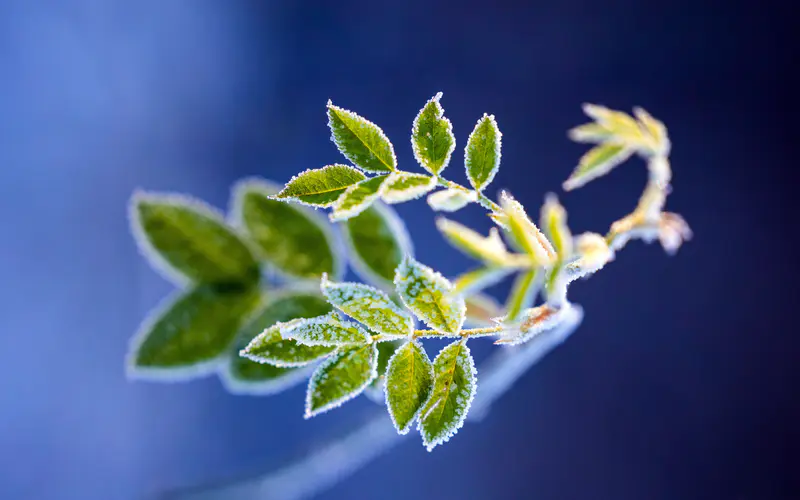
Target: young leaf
<point x="524" y="232"/>
<point x="621" y="125"/>
<point x="320" y="187"/>
<point x="405" y="186"/>
<point x="328" y="330"/>
<point x="591" y="133"/>
<point x="597" y="162"/>
<point x="358" y="198"/>
<point x="432" y="137"/>
<point x="409" y="380"/>
<point x="369" y="306"/>
<point x="487" y="249"/>
<point x="361" y="141"/>
<point x="187" y="239"/>
<point x="484" y="277"/>
<point x="187" y="337"/>
<point x="453" y="391"/>
<point x="451" y="200"/>
<point x="340" y="378"/>
<point x="533" y="322"/>
<point x="522" y="295"/>
<point x="554" y="224"/>
<point x="243" y="376"/>
<point x="482" y="154"/>
<point x="430" y="296"/>
<point x="291" y="238"/>
<point x="270" y="347"/>
<point x="655" y="130"/>
<point x="377" y="241"/>
<point x="481" y="309"/>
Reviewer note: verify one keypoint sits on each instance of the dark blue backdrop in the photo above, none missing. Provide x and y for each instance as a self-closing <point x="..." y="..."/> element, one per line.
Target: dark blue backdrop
<point x="680" y="384"/>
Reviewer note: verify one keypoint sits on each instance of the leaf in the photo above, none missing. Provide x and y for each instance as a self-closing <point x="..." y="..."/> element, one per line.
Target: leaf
<point x="188" y="240"/>
<point x="358" y="198"/>
<point x="454" y="388"/>
<point x="320" y="187"/>
<point x="451" y="200"/>
<point x="621" y="125"/>
<point x="361" y="141"/>
<point x="533" y="322"/>
<point x="484" y="277"/>
<point x="432" y="137"/>
<point x="271" y="348"/>
<point x="369" y="306"/>
<point x="655" y="129"/>
<point x="522" y="295"/>
<point x="386" y="350"/>
<point x="340" y="378"/>
<point x="591" y="133"/>
<point x="405" y="186"/>
<point x="482" y="154"/>
<point x="597" y="162"/>
<point x="554" y="224"/>
<point x="328" y="330"/>
<point x="377" y="240"/>
<point x="487" y="249"/>
<point x="243" y="376"/>
<point x="187" y="336"/>
<point x="292" y="239"/>
<point x="524" y="232"/>
<point x="430" y="296"/>
<point x="481" y="309"/>
<point x="409" y="380"/>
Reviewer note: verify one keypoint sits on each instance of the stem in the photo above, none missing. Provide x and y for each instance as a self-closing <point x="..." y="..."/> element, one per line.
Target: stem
<point x="470" y="332"/>
<point x="483" y="200"/>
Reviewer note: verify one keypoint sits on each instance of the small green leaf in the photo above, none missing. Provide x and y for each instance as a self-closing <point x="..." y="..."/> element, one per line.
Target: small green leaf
<point x="187" y="239"/>
<point x="554" y="224"/>
<point x="409" y="380"/>
<point x="375" y="391"/>
<point x="243" y="376"/>
<point x="327" y="330"/>
<point x="405" y="186"/>
<point x="293" y="239"/>
<point x="430" y="296"/>
<point x="655" y="129"/>
<point x="487" y="249"/>
<point x="590" y="132"/>
<point x="482" y="155"/>
<point x="361" y="141"/>
<point x="432" y="137"/>
<point x="320" y="187"/>
<point x="340" y="378"/>
<point x="369" y="306"/>
<point x="524" y="232"/>
<point x="377" y="241"/>
<point x="187" y="336"/>
<point x="620" y="124"/>
<point x="270" y="347"/>
<point x="454" y="388"/>
<point x="451" y="200"/>
<point x="597" y="162"/>
<point x="358" y="198"/>
<point x="523" y="293"/>
<point x="483" y="277"/>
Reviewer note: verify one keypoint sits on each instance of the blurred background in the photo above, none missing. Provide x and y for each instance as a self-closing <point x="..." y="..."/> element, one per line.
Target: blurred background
<point x="682" y="381"/>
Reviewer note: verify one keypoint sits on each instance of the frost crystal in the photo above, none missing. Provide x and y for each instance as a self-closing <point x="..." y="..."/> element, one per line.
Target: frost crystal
<point x="328" y="330"/>
<point x="405" y="186"/>
<point x="340" y="378"/>
<point x="369" y="306"/>
<point x="430" y="296"/>
<point x="451" y="200"/>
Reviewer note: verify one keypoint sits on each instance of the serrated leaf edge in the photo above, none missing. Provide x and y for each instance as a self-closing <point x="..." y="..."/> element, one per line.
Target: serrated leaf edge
<point x="312" y="383"/>
<point x="498" y="144"/>
<point x="449" y="127"/>
<point x="411" y="421"/>
<point x="392" y="168"/>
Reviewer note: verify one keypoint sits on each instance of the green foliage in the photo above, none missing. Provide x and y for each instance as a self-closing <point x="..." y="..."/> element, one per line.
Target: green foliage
<point x="328" y="330"/>
<point x="358" y="198"/>
<point x="405" y="186"/>
<point x="451" y="200"/>
<point x="409" y="380"/>
<point x="340" y="378"/>
<point x="320" y="187"/>
<point x="361" y="141"/>
<point x="482" y="156"/>
<point x="524" y="233"/>
<point x="429" y="295"/>
<point x="377" y="241"/>
<point x="490" y="250"/>
<point x="432" y="137"/>
<point x="478" y="279"/>
<point x="597" y="162"/>
<point x="522" y="295"/>
<point x="270" y="347"/>
<point x="369" y="306"/>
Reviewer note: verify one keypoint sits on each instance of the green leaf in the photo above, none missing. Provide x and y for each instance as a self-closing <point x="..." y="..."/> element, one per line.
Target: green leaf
<point x="327" y="330"/>
<point x="369" y="306"/>
<point x="377" y="240"/>
<point x="620" y="124"/>
<point x="293" y="239"/>
<point x="358" y="198"/>
<point x="432" y="137"/>
<point x="320" y="187"/>
<point x="590" y="132"/>
<point x="523" y="293"/>
<point x="655" y="129"/>
<point x="243" y="376"/>
<point x="375" y="391"/>
<point x="340" y="378"/>
<point x="361" y="141"/>
<point x="451" y="200"/>
<point x="453" y="391"/>
<point x="483" y="277"/>
<point x="409" y="380"/>
<point x="597" y="162"/>
<point x="524" y="233"/>
<point x="482" y="155"/>
<point x="272" y="348"/>
<point x="487" y="249"/>
<point x="405" y="186"/>
<point x="430" y="296"/>
<point x="188" y="240"/>
<point x="186" y="337"/>
<point x="554" y="224"/>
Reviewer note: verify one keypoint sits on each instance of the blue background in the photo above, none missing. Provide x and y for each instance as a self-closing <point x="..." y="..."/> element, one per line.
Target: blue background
<point x="682" y="381"/>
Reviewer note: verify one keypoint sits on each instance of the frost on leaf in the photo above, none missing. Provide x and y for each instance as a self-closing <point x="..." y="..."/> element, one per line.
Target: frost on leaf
<point x="320" y="187"/>
<point x="454" y="388"/>
<point x="482" y="154"/>
<point x="409" y="380"/>
<point x="369" y="306"/>
<point x="430" y="296"/>
<point x="188" y="240"/>
<point x="487" y="249"/>
<point x="188" y="336"/>
<point x="533" y="322"/>
<point x="432" y="137"/>
<point x="405" y="186"/>
<point x="554" y="224"/>
<point x="523" y="294"/>
<point x="484" y="277"/>
<point x="655" y="130"/>
<point x="622" y="126"/>
<point x="361" y="141"/>
<point x="358" y="198"/>
<point x="594" y="253"/>
<point x="524" y="232"/>
<point x="377" y="241"/>
<point x="327" y="330"/>
<point x="481" y="310"/>
<point x="270" y="347"/>
<point x="293" y="239"/>
<point x="243" y="376"/>
<point x="340" y="378"/>
<point x="451" y="200"/>
<point x="597" y="162"/>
